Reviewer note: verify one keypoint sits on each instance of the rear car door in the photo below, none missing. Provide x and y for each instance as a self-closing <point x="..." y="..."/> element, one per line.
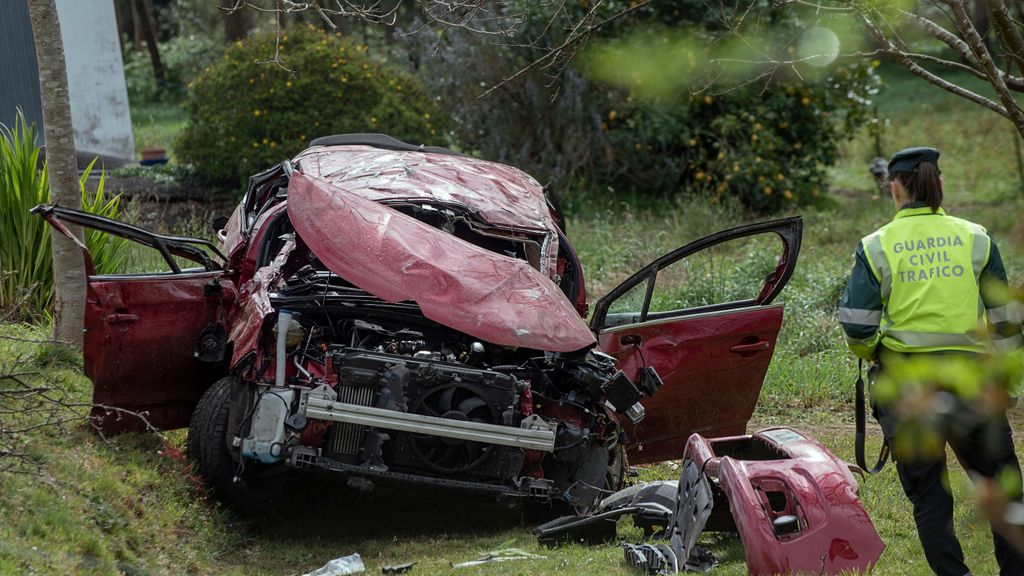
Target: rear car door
<point x="703" y="317"/>
<point x="154" y="338"/>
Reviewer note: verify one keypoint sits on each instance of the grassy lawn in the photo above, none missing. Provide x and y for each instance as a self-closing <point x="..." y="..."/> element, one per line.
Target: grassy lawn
<point x="129" y="504"/>
<point x="157" y="125"/>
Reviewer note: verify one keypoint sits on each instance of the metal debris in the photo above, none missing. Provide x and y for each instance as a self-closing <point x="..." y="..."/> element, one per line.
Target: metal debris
<point x="503" y="555"/>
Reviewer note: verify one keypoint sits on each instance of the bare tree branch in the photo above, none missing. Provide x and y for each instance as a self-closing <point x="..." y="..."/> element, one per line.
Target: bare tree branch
<point x="931" y="78"/>
<point x="1006" y="30"/>
<point x="944" y="35"/>
<point x="574" y="40"/>
<point x="981" y="52"/>
<point x="32" y="402"/>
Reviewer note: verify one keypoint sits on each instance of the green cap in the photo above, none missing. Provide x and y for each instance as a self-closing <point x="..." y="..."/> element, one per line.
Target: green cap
<point x="906" y="160"/>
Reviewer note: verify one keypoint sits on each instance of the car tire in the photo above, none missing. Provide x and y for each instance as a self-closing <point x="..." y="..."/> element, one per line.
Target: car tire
<point x="618" y="466"/>
<point x="248" y="486"/>
<point x="614" y="476"/>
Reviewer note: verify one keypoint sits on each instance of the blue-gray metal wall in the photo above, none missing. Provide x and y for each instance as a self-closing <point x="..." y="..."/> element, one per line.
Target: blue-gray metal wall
<point x="19" y="76"/>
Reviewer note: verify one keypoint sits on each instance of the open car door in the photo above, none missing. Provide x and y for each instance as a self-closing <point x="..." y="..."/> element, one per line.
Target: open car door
<point x="155" y="339"/>
<point x="703" y="317"/>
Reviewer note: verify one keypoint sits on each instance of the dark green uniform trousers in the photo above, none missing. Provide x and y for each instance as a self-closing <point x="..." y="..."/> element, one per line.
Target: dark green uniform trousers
<point x="982" y="445"/>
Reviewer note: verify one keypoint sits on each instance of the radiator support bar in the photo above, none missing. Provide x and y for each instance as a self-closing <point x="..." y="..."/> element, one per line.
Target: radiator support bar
<point x="539" y="436"/>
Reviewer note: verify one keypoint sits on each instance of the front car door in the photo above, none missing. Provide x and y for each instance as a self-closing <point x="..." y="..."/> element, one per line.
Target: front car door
<point x="703" y="317"/>
<point x="154" y="338"/>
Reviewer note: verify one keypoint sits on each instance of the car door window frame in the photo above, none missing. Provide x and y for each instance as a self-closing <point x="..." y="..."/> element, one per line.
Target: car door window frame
<point x="789" y="230"/>
<point x="167" y="246"/>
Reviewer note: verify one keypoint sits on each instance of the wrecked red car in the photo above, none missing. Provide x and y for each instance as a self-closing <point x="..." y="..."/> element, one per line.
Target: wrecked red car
<point x="401" y="314"/>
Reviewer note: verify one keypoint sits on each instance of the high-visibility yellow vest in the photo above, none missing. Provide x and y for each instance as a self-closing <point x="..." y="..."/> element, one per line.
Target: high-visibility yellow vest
<point x="928" y="266"/>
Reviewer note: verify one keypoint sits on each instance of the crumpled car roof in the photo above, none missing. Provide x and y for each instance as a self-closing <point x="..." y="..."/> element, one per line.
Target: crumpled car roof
<point x="500" y="195"/>
<point x="396" y="257"/>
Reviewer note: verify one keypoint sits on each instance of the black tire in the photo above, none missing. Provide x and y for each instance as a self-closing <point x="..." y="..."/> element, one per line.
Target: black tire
<point x="613" y="481"/>
<point x="618" y="467"/>
<point x="209" y="447"/>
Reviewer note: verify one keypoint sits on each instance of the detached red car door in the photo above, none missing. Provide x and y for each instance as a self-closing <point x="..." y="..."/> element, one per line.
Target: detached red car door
<point x="703" y="317"/>
<point x="154" y="341"/>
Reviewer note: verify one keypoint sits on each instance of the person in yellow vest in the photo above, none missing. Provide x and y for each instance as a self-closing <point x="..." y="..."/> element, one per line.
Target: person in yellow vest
<point x="930" y="286"/>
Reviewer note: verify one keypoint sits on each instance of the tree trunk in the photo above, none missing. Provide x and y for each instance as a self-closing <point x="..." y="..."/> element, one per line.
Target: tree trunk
<point x="149" y="32"/>
<point x="61" y="163"/>
<point x="136" y="26"/>
<point x="236" y="25"/>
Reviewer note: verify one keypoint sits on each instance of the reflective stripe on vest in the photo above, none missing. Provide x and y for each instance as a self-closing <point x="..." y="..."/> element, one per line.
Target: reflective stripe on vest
<point x="979" y="252"/>
<point x="1007" y="344"/>
<point x="933" y="339"/>
<point x="860" y="316"/>
<point x="876" y="255"/>
<point x="1008" y="313"/>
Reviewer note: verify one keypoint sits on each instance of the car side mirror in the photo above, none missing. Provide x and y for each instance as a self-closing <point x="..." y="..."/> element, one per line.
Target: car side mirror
<point x="219" y="223"/>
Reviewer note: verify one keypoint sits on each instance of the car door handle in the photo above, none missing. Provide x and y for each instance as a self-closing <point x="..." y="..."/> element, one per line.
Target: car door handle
<point x="630" y="340"/>
<point x="121" y="318"/>
<point x="750" y="348"/>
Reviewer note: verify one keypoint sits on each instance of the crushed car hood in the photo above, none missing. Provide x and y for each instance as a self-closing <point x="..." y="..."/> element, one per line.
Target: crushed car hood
<point x="395" y="257"/>
<point x="500" y="195"/>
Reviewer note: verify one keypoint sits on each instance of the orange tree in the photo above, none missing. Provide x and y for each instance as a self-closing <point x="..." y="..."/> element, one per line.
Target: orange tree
<point x="268" y="96"/>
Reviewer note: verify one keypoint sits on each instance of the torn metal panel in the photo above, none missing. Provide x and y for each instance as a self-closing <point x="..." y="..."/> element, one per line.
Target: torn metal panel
<point x="253" y="304"/>
<point x="794" y="503"/>
<point x="496" y="298"/>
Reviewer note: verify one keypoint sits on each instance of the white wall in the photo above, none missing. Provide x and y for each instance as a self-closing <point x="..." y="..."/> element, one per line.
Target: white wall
<point x="99" y="98"/>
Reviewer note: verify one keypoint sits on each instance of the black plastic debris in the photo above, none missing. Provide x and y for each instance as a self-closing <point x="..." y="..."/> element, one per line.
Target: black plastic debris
<point x="661" y="559"/>
<point x="652" y="559"/>
<point x="701" y="560"/>
<point x="592" y="529"/>
<point x="397" y="568"/>
<point x="651" y="505"/>
<point x="677" y="511"/>
<point x="694" y="503"/>
<point x="656" y="502"/>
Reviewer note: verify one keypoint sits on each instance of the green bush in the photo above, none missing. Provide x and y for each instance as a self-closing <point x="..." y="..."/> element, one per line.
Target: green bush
<point x="26" y="262"/>
<point x="768" y="148"/>
<point x="603" y="130"/>
<point x="246" y="114"/>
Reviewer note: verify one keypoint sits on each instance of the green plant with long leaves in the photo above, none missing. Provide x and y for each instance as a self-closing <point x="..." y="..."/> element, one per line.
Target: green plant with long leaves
<point x="26" y="265"/>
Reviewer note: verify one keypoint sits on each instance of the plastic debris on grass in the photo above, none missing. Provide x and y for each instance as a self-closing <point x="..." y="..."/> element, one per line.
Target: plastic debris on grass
<point x="351" y="564"/>
<point x="503" y="555"/>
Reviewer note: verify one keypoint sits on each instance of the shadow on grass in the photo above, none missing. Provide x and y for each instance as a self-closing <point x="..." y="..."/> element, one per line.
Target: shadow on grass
<point x="323" y="501"/>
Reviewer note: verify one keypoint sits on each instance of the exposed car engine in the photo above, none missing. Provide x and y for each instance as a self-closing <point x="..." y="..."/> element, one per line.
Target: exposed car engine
<point x="377" y="391"/>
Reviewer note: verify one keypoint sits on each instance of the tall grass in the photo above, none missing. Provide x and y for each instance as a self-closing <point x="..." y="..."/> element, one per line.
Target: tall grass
<point x="26" y="263"/>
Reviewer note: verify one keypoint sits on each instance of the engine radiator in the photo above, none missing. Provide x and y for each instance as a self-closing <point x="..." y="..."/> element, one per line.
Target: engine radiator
<point x="346" y="438"/>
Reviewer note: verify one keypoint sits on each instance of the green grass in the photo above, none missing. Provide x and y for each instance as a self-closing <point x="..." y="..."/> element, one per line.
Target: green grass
<point x="130" y="505"/>
<point x="979" y="163"/>
<point x="157" y="125"/>
<point x="99" y="507"/>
